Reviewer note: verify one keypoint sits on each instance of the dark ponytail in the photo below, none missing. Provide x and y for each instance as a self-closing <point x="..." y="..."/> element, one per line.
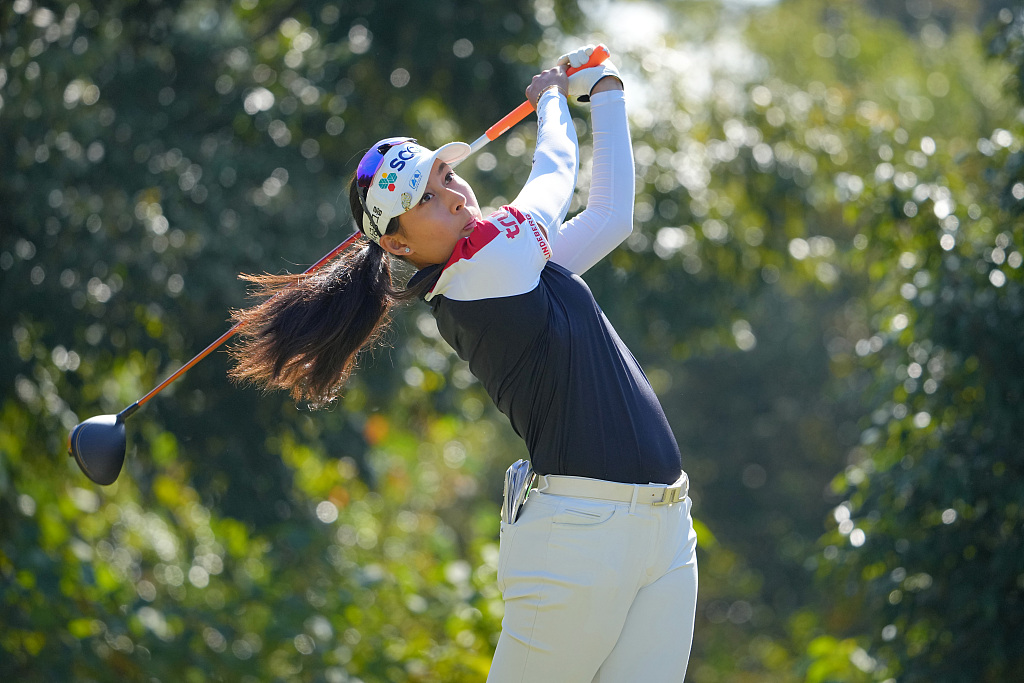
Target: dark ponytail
<point x="307" y="333"/>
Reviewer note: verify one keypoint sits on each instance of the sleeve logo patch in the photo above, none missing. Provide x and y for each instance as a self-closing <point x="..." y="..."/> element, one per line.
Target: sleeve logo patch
<point x="510" y="224"/>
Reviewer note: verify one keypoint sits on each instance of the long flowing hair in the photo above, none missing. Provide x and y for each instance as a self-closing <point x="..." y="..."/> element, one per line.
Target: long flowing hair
<point x="307" y="333"/>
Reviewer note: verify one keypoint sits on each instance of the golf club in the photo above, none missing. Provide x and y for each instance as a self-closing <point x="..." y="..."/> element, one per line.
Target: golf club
<point x="99" y="444"/>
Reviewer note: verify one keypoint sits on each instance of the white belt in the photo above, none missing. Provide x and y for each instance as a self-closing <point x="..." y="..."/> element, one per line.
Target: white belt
<point x="644" y="494"/>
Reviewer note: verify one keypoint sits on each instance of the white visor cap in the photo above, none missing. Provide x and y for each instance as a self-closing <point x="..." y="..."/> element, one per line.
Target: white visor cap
<point x="399" y="182"/>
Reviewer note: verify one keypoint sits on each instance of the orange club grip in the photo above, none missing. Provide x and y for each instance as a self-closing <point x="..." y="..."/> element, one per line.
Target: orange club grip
<point x="510" y="119"/>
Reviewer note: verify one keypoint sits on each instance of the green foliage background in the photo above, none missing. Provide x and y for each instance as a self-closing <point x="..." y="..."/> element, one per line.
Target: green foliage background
<point x="824" y="285"/>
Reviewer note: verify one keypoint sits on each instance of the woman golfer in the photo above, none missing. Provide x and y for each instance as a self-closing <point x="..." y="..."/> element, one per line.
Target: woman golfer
<point x="598" y="571"/>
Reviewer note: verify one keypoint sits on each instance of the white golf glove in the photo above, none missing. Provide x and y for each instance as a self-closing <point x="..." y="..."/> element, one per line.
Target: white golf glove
<point x="584" y="80"/>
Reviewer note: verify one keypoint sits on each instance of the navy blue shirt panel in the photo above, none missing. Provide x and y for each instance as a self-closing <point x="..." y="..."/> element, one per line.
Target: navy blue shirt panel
<point x="552" y="362"/>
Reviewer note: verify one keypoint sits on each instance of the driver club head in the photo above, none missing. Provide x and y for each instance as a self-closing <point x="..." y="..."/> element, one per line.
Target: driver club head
<point x="98" y="446"/>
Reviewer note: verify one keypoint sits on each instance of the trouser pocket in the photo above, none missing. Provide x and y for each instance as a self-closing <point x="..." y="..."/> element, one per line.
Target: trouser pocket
<point x="524" y="535"/>
<point x="581" y="515"/>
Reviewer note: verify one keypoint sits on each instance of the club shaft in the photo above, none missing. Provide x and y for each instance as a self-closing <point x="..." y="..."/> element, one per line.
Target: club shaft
<point x="185" y="368"/>
<point x="227" y="335"/>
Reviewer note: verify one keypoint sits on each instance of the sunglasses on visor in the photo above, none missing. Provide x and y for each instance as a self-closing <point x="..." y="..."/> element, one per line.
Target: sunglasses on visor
<point x="367" y="169"/>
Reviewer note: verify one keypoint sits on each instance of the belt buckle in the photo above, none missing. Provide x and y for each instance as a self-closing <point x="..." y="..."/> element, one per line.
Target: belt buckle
<point x="672" y="494"/>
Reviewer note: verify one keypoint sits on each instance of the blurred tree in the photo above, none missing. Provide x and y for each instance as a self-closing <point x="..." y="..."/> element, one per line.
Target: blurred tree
<point x="914" y="15"/>
<point x="934" y="499"/>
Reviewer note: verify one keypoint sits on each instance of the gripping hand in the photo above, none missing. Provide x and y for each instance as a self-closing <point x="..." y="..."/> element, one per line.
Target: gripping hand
<point x="584" y="80"/>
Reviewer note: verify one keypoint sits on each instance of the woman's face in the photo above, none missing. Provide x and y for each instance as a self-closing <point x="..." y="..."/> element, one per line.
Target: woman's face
<point x="445" y="214"/>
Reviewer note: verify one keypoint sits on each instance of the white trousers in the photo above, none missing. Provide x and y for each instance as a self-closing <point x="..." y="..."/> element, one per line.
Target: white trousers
<point x="596" y="592"/>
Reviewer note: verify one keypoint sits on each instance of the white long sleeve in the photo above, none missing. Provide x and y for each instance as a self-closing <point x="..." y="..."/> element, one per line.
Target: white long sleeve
<point x="608" y="219"/>
<point x="547" y="193"/>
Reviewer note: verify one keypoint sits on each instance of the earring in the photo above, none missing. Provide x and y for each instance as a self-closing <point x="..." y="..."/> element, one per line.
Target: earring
<point x="407" y="250"/>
